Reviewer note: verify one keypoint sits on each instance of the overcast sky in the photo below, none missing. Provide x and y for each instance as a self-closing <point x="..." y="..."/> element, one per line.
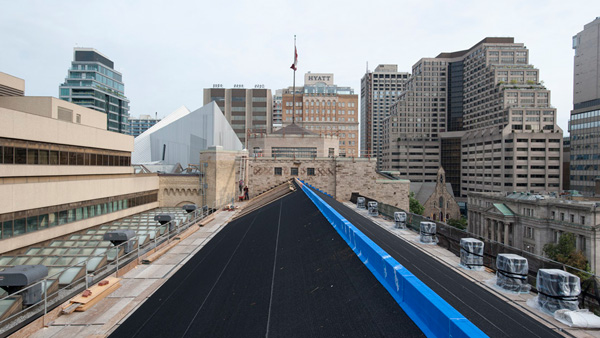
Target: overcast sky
<point x="168" y="51"/>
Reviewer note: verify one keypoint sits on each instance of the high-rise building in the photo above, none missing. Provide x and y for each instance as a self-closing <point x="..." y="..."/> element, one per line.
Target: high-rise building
<point x="93" y="82"/>
<point x="247" y="110"/>
<point x="141" y="124"/>
<point x="378" y="91"/>
<point x="491" y="99"/>
<point x="584" y="126"/>
<point x="324" y="108"/>
<point x="277" y="100"/>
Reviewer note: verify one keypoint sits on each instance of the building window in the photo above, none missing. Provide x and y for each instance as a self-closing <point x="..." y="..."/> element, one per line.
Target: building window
<point x="562" y="216"/>
<point x="582" y="245"/>
<point x="582" y="219"/>
<point x="294" y="171"/>
<point x="278" y="171"/>
<point x="529" y="232"/>
<point x="572" y="218"/>
<point x="310" y="171"/>
<point x="553" y="215"/>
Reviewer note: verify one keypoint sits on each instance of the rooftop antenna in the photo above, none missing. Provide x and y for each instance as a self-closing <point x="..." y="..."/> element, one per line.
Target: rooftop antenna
<point x="367" y="66"/>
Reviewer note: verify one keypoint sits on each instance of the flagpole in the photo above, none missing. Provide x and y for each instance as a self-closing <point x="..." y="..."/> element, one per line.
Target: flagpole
<point x="294" y="88"/>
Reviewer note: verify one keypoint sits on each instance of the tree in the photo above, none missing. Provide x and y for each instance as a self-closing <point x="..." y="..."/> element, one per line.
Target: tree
<point x="458" y="223"/>
<point x="414" y="205"/>
<point x="565" y="252"/>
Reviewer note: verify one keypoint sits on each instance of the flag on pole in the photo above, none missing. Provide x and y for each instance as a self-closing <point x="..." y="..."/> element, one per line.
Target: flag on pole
<point x="295" y="64"/>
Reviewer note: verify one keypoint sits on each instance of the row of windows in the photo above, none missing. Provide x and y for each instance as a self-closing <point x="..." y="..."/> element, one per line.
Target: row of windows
<point x="20" y="152"/>
<point x="593" y="113"/>
<point x="278" y="171"/>
<point x="14" y="226"/>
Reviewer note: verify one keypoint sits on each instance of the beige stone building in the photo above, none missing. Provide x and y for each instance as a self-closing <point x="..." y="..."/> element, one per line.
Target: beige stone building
<point x="61" y="171"/>
<point x="529" y="221"/>
<point x="338" y="176"/>
<point x="326" y="109"/>
<point x="293" y="141"/>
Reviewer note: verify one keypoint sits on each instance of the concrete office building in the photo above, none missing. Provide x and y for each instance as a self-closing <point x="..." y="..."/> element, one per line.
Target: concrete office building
<point x="491" y="99"/>
<point x="378" y="91"/>
<point x="584" y="126"/>
<point x="247" y="110"/>
<point x="529" y="221"/>
<point x="326" y="109"/>
<point x="141" y="124"/>
<point x="277" y="101"/>
<point x="61" y="171"/>
<point x="92" y="82"/>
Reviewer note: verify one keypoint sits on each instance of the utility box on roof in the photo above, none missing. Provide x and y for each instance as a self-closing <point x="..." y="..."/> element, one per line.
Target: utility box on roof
<point x="557" y="289"/>
<point x="400" y="219"/>
<point x="373" y="211"/>
<point x="511" y="272"/>
<point x="22" y="276"/>
<point x="471" y="253"/>
<point x="360" y="203"/>
<point x="427" y="233"/>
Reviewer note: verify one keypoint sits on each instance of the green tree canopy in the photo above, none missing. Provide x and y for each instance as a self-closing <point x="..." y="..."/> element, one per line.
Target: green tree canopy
<point x="565" y="252"/>
<point x="414" y="205"/>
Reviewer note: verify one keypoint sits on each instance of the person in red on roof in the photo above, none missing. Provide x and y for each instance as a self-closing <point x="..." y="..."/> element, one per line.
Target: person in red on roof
<point x="246" y="197"/>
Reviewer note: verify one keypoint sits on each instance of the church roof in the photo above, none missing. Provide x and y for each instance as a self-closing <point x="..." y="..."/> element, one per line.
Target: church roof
<point x="293" y="129"/>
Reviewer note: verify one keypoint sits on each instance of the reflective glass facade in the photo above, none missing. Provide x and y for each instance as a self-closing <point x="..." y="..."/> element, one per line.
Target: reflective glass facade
<point x="93" y="83"/>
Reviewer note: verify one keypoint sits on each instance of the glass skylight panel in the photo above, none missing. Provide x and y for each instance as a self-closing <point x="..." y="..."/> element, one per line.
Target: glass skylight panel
<point x="36" y="260"/>
<point x="20" y="260"/>
<point x="73" y="251"/>
<point x="57" y="243"/>
<point x="32" y="251"/>
<point x="70" y="275"/>
<point x="94" y="263"/>
<point x="46" y="251"/>
<point x="60" y="251"/>
<point x="64" y="261"/>
<point x="5" y="260"/>
<point x="49" y="260"/>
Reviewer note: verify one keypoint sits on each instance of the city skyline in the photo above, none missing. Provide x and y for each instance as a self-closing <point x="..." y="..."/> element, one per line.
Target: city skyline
<point x="167" y="62"/>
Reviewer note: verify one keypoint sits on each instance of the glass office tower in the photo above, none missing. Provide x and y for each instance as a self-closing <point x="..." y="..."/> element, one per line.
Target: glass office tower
<point x="93" y="83"/>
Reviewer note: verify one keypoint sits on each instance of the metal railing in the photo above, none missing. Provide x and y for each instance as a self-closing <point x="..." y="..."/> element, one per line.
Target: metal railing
<point x="53" y="299"/>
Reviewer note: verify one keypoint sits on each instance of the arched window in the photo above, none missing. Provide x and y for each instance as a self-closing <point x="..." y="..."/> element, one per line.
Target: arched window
<point x="441" y="202"/>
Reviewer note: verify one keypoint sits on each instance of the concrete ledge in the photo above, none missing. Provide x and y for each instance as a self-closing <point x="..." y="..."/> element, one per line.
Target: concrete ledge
<point x="432" y="314"/>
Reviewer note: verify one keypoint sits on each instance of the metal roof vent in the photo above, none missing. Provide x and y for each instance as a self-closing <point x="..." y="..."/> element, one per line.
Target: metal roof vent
<point x="21" y="276"/>
<point x="118" y="237"/>
<point x="189" y="208"/>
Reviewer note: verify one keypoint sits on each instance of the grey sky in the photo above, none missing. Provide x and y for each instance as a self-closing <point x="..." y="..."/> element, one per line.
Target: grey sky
<point x="168" y="51"/>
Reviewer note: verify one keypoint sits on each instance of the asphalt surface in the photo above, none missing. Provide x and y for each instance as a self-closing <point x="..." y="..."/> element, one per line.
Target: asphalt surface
<point x="494" y="316"/>
<point x="281" y="271"/>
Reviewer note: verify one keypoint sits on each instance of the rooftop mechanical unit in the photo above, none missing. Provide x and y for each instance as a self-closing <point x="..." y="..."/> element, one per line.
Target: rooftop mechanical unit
<point x="427" y="233"/>
<point x="511" y="273"/>
<point x="360" y="203"/>
<point x="189" y="208"/>
<point x="471" y="253"/>
<point x="118" y="237"/>
<point x="164" y="219"/>
<point x="373" y="211"/>
<point x="400" y="219"/>
<point x="557" y="290"/>
<point x="20" y="277"/>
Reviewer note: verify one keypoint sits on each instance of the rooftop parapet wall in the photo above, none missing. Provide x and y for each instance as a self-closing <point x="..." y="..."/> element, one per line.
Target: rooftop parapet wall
<point x="338" y="176"/>
<point x="37" y="120"/>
